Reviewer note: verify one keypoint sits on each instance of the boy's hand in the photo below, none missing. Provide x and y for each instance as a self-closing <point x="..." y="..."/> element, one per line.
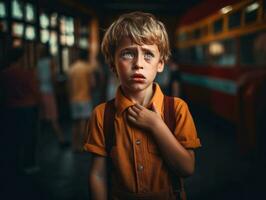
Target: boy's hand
<point x="143" y="117"/>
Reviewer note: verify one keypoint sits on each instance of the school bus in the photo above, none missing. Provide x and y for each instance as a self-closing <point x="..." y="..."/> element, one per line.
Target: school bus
<point x="221" y="47"/>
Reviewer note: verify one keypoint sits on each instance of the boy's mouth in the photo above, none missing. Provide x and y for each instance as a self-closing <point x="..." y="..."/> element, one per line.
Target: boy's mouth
<point x="137" y="76"/>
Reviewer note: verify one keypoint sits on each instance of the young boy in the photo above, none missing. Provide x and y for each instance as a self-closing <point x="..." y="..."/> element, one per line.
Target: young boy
<point x="145" y="150"/>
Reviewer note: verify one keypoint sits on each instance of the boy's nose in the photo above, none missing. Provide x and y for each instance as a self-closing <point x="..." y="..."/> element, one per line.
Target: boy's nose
<point x="139" y="62"/>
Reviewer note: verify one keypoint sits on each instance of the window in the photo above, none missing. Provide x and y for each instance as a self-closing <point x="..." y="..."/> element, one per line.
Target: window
<point x="17" y="9"/>
<point x="182" y="37"/>
<point x="17" y="29"/>
<point x="67" y="31"/>
<point x="3" y="22"/>
<point x="30" y="13"/>
<point x="196" y="33"/>
<point x="30" y="32"/>
<point x="253" y="49"/>
<point x="251" y="12"/>
<point x="222" y="53"/>
<point x="83" y="37"/>
<point x="234" y="20"/>
<point x="218" y="26"/>
<point x="2" y="10"/>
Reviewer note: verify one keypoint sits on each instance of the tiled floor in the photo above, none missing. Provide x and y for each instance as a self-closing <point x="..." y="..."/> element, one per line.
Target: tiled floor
<point x="222" y="173"/>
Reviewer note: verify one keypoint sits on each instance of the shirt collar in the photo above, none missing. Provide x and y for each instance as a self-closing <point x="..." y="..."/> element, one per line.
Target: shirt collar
<point x="122" y="102"/>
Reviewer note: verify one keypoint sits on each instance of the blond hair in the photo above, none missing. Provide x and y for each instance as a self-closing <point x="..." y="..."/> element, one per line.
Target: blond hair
<point x="141" y="28"/>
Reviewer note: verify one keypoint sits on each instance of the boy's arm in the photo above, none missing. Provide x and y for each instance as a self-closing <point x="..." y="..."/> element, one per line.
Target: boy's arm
<point x="98" y="178"/>
<point x="177" y="157"/>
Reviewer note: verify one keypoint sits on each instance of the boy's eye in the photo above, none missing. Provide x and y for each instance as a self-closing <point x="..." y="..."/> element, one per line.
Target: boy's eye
<point x="148" y="56"/>
<point x="127" y="55"/>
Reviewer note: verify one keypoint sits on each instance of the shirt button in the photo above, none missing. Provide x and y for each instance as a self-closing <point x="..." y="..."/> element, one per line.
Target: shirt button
<point x="138" y="142"/>
<point x="140" y="167"/>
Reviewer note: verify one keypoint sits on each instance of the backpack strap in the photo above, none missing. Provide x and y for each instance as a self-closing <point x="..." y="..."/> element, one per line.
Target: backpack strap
<point x="109" y="135"/>
<point x="109" y="125"/>
<point x="169" y="119"/>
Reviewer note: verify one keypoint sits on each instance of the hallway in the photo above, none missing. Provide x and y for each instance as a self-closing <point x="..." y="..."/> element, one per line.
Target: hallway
<point x="221" y="171"/>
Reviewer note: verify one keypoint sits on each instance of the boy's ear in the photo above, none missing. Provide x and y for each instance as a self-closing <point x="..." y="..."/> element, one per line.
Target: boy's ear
<point x="160" y="66"/>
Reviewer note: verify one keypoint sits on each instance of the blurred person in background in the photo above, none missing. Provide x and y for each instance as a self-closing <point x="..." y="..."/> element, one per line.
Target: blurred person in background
<point x="174" y="79"/>
<point x="46" y="76"/>
<point x="19" y="118"/>
<point x="80" y="82"/>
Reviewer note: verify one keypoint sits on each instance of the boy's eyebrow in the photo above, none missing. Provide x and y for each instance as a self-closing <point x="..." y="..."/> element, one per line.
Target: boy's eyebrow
<point x="133" y="47"/>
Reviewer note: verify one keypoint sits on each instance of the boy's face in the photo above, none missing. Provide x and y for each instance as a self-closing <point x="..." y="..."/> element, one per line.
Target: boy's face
<point x="137" y="65"/>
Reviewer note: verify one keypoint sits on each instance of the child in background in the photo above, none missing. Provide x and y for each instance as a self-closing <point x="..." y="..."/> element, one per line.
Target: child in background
<point x="145" y="150"/>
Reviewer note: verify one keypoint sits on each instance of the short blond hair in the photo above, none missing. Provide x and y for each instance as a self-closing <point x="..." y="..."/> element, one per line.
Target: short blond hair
<point x="141" y="28"/>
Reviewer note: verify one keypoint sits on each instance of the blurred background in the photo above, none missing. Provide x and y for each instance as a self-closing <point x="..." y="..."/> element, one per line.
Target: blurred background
<point x="51" y="69"/>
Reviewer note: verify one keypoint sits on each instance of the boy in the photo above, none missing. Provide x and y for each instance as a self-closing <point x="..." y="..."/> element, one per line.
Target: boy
<point x="145" y="150"/>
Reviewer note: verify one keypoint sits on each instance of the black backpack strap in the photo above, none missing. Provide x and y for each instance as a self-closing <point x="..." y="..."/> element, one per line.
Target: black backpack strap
<point x="108" y="125"/>
<point x="109" y="135"/>
<point x="169" y="119"/>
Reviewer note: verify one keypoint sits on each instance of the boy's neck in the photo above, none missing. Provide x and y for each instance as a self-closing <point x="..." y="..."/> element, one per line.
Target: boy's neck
<point x="140" y="97"/>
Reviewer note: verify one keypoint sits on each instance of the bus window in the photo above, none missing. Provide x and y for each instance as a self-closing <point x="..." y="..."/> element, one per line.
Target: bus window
<point x="218" y="26"/>
<point x="251" y="12"/>
<point x="182" y="37"/>
<point x="196" y="33"/>
<point x="222" y="53"/>
<point x="253" y="49"/>
<point x="234" y="20"/>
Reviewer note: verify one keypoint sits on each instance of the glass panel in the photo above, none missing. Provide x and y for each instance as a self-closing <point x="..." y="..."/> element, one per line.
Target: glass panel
<point x="83" y="43"/>
<point x="53" y="43"/>
<point x="63" y="24"/>
<point x="218" y="26"/>
<point x="222" y="53"/>
<point x="30" y="32"/>
<point x="196" y="34"/>
<point x="70" y="25"/>
<point x="63" y="39"/>
<point x="182" y="37"/>
<point x="251" y="12"/>
<point x="253" y="49"/>
<point x="17" y="9"/>
<point x="70" y="40"/>
<point x="234" y="20"/>
<point x="30" y="13"/>
<point x="44" y="35"/>
<point x="17" y="29"/>
<point x="44" y="20"/>
<point x="2" y="10"/>
<point x="53" y="21"/>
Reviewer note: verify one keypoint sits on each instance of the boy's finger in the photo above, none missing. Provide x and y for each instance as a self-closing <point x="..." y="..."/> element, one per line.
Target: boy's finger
<point x="131" y="118"/>
<point x="131" y="111"/>
<point x="138" y="106"/>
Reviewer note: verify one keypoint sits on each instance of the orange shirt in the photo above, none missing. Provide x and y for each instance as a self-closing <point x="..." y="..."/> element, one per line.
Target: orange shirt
<point x="137" y="164"/>
<point x="79" y="82"/>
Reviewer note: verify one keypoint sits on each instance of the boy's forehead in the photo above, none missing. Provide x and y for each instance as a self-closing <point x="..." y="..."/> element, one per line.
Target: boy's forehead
<point x="126" y="42"/>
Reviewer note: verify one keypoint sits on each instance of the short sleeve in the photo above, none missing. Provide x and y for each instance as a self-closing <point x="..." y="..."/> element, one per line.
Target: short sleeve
<point x="185" y="130"/>
<point x="94" y="129"/>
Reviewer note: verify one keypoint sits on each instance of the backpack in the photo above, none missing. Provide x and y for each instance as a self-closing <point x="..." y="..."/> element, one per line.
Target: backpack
<point x="109" y="135"/>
